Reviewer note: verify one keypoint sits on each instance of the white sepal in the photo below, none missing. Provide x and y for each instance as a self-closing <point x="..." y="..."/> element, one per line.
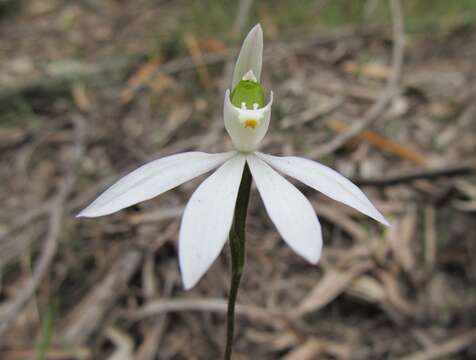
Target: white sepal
<point x="245" y="138"/>
<point x="289" y="210"/>
<point x="207" y="220"/>
<point x="152" y="179"/>
<point x="325" y="180"/>
<point x="250" y="57"/>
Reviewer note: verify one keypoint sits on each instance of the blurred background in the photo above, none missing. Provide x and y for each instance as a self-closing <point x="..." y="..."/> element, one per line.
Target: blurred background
<point x="382" y="91"/>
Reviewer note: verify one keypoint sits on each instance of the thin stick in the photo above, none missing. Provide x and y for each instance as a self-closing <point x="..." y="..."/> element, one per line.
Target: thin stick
<point x="216" y="305"/>
<point x="404" y="177"/>
<point x="445" y="348"/>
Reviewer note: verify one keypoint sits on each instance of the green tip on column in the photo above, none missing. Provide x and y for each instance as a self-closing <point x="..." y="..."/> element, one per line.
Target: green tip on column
<point x="249" y="92"/>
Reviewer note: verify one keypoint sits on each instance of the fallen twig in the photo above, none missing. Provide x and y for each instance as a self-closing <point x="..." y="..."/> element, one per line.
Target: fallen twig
<point x="329" y="287"/>
<point x="446" y="348"/>
<point x="403" y="177"/>
<point x="207" y="305"/>
<point x="52" y="354"/>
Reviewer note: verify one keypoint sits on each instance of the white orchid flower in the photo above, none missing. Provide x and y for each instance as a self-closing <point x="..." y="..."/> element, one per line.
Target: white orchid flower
<point x="208" y="215"/>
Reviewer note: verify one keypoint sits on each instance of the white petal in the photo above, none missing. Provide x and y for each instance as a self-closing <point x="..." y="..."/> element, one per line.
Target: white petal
<point x="289" y="210"/>
<point x="152" y="179"/>
<point x="325" y="180"/>
<point x="250" y="57"/>
<point x="207" y="220"/>
<point x="245" y="139"/>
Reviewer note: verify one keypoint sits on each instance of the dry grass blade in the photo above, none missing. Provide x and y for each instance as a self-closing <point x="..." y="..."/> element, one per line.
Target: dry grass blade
<point x="9" y="248"/>
<point x="370" y="70"/>
<point x="311" y="349"/>
<point x="152" y="339"/>
<point x="430" y="237"/>
<point x="123" y="343"/>
<point x="311" y="114"/>
<point x="139" y="79"/>
<point x="400" y="236"/>
<point x="314" y="348"/>
<point x="196" y="53"/>
<point x="334" y="283"/>
<point x="404" y="151"/>
<point x="205" y="305"/>
<point x="447" y="348"/>
<point x="368" y="289"/>
<point x="395" y="297"/>
<point x="52" y="354"/>
<point x="345" y="222"/>
<point x="465" y="168"/>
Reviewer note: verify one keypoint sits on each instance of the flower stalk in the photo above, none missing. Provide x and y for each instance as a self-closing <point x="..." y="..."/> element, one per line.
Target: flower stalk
<point x="237" y="250"/>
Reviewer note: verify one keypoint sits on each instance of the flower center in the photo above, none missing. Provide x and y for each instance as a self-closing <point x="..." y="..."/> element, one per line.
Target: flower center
<point x="250" y="118"/>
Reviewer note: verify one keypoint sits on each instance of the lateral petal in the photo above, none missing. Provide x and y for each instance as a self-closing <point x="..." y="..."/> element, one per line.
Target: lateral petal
<point x="289" y="210"/>
<point x="325" y="180"/>
<point x="207" y="220"/>
<point x="152" y="179"/>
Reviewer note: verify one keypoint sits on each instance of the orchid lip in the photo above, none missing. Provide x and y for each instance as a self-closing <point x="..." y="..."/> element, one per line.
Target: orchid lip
<point x="246" y="127"/>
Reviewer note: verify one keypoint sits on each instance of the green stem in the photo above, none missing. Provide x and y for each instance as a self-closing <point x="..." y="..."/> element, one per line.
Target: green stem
<point x="237" y="249"/>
